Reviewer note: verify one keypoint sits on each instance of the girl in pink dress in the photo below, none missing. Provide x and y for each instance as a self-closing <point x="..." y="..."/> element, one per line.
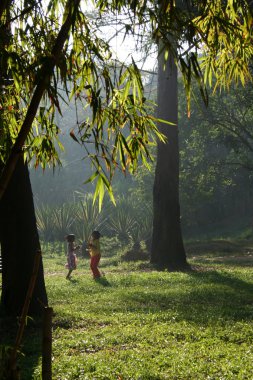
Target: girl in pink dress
<point x="71" y="258"/>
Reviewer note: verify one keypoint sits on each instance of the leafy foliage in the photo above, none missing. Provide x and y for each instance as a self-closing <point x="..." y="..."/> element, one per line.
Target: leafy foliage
<point x="216" y="163"/>
<point x="89" y="218"/>
<point x="232" y="50"/>
<point x="121" y="126"/>
<point x="80" y="217"/>
<point x="45" y="222"/>
<point x="215" y="184"/>
<point x="129" y="222"/>
<point x="83" y="68"/>
<point x="122" y="223"/>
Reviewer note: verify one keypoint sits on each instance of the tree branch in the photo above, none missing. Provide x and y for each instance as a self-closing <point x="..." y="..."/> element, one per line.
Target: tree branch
<point x="44" y="78"/>
<point x="4" y="5"/>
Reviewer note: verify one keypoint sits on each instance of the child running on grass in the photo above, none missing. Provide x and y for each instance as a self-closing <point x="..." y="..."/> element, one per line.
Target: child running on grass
<point x="72" y="259"/>
<point x="95" y="253"/>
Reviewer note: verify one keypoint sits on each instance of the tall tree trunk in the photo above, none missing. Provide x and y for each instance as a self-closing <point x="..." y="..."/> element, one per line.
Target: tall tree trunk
<point x="19" y="243"/>
<point x="167" y="245"/>
<point x="18" y="231"/>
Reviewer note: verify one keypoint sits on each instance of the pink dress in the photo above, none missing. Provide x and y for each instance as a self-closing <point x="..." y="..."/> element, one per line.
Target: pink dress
<point x="72" y="260"/>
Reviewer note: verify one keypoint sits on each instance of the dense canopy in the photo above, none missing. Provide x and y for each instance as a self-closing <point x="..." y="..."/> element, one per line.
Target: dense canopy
<point x="53" y="50"/>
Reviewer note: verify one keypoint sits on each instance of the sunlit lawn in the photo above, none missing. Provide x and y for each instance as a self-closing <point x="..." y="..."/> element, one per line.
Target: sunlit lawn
<point x="144" y="324"/>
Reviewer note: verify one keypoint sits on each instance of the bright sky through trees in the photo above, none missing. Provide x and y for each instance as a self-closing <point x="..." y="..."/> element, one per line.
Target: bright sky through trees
<point x="125" y="49"/>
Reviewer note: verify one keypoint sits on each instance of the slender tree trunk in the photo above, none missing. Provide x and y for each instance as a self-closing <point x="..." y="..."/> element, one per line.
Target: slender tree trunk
<point x="19" y="244"/>
<point x="167" y="245"/>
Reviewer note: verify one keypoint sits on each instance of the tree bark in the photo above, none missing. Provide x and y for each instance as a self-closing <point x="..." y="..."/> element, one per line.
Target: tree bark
<point x="167" y="244"/>
<point x="18" y="231"/>
<point x="19" y="244"/>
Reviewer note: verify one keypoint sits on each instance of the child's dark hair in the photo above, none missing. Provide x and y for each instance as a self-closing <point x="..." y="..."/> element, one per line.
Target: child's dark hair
<point x="96" y="234"/>
<point x="70" y="238"/>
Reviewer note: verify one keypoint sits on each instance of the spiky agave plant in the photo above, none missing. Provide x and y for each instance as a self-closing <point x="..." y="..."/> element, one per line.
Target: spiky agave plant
<point x="64" y="218"/>
<point x="143" y="228"/>
<point x="123" y="220"/>
<point x="45" y="222"/>
<point x="88" y="216"/>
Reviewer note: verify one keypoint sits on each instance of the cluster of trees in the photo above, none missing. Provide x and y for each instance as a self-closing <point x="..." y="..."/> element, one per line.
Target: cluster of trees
<point x="215" y="165"/>
<point x="215" y="171"/>
<point x="44" y="46"/>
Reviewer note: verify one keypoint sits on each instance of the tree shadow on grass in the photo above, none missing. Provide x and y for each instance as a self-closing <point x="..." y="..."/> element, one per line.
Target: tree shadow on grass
<point x="30" y="350"/>
<point x="73" y="280"/>
<point x="243" y="261"/>
<point x="205" y="298"/>
<point x="223" y="295"/>
<point x="102" y="281"/>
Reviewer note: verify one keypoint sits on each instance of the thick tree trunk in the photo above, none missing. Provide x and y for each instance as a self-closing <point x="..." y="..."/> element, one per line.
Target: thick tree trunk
<point x="167" y="245"/>
<point x="19" y="243"/>
<point x="18" y="232"/>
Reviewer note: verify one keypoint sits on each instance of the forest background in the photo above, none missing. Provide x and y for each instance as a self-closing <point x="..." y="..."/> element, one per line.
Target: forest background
<point x="215" y="177"/>
<point x="215" y="148"/>
<point x="133" y="225"/>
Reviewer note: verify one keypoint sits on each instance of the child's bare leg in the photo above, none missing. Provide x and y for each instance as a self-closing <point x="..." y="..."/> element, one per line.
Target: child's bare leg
<point x="68" y="275"/>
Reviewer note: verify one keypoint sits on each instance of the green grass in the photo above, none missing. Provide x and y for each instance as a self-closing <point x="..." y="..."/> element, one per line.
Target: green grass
<point x="149" y="325"/>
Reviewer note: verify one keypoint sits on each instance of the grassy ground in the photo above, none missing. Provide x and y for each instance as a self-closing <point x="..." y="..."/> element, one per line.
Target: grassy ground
<point x="149" y="325"/>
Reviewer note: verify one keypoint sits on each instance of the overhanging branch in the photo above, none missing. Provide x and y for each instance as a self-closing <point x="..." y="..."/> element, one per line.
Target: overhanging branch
<point x="45" y="74"/>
